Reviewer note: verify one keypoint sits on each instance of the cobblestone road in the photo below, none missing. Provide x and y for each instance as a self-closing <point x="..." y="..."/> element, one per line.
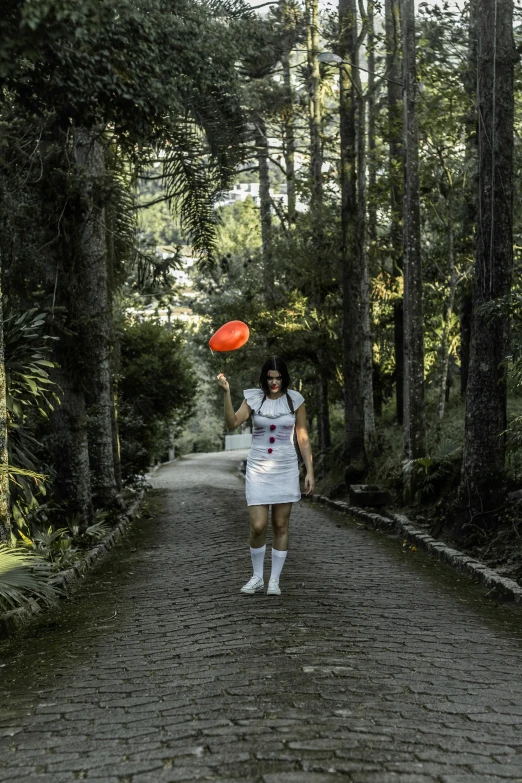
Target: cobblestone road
<point x="375" y="665"/>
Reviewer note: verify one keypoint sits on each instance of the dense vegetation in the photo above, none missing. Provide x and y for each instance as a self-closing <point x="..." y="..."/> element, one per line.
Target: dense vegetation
<point x="407" y="238"/>
<point x="93" y="95"/>
<point x="388" y="276"/>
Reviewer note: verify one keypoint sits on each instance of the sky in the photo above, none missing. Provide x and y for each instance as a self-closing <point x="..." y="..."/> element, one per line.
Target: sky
<point x="325" y="3"/>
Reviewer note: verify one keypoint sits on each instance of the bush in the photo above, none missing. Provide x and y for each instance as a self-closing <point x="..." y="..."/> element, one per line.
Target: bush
<point x="202" y="434"/>
<point x="427" y="478"/>
<point x="156" y="392"/>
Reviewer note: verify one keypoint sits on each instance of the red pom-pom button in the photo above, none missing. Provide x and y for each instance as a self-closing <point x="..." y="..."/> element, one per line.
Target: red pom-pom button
<point x="269" y="451"/>
<point x="272" y="426"/>
<point x="272" y="440"/>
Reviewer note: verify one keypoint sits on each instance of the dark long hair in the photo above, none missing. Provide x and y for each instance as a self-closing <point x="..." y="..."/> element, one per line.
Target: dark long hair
<point x="275" y="363"/>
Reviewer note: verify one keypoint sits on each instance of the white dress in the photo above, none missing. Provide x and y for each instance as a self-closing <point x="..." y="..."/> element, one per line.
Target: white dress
<point x="272" y="474"/>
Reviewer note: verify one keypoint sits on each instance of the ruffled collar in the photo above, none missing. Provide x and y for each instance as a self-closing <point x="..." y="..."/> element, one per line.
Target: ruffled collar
<point x="271" y="408"/>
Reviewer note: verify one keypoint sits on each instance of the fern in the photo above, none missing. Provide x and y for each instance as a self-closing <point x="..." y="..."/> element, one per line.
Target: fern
<point x="427" y="477"/>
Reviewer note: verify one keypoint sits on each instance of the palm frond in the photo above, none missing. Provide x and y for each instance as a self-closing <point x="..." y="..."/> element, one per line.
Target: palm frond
<point x="23" y="577"/>
<point x="193" y="181"/>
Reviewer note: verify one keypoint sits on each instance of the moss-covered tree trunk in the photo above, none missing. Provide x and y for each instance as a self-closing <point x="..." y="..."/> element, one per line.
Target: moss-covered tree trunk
<point x="414" y="409"/>
<point x="355" y="451"/>
<point x="482" y="481"/>
<point x="95" y="310"/>
<point x="67" y="441"/>
<point x="5" y="526"/>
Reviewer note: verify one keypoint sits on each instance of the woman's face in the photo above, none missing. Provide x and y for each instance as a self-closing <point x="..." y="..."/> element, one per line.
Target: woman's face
<point x="274" y="380"/>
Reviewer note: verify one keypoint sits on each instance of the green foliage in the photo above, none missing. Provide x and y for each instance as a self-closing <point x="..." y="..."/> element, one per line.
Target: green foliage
<point x="23" y="577"/>
<point x="30" y="397"/>
<point x="98" y="529"/>
<point x="428" y="477"/>
<point x="204" y="430"/>
<point x="61" y="547"/>
<point x="201" y="434"/>
<point x="27" y="352"/>
<point x="156" y="392"/>
<point x="56" y="545"/>
<point x="156" y="222"/>
<point x="240" y="230"/>
<point x="177" y="96"/>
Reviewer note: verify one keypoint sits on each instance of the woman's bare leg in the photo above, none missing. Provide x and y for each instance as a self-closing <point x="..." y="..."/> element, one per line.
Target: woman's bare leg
<point x="280" y="520"/>
<point x="258" y="525"/>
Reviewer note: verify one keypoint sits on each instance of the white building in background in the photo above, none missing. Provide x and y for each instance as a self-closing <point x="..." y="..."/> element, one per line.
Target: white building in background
<point x="181" y="310"/>
<point x="240" y="192"/>
<point x="243" y="190"/>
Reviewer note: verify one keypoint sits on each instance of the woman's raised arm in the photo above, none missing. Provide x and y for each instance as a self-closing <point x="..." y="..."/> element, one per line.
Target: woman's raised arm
<point x="232" y="419"/>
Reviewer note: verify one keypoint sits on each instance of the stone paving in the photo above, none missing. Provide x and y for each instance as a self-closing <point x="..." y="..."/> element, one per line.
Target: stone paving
<point x="376" y="665"/>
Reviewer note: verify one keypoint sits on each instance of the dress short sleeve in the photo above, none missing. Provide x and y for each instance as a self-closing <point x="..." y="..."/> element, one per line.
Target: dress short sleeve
<point x="296" y="397"/>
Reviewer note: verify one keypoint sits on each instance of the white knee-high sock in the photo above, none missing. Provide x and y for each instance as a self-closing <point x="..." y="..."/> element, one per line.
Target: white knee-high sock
<point x="278" y="561"/>
<point x="258" y="558"/>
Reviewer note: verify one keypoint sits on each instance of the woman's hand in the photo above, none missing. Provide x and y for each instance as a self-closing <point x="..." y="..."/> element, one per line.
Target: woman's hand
<point x="222" y="381"/>
<point x="309" y="483"/>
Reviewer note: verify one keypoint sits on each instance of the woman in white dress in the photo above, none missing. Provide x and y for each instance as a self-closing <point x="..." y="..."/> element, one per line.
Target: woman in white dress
<point x="272" y="474"/>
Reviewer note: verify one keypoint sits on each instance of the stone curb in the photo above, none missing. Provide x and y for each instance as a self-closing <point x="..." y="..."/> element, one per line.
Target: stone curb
<point x="13" y="620"/>
<point x="500" y="587"/>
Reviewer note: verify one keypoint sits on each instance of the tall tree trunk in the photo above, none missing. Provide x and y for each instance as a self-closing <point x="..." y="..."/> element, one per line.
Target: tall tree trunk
<point x="68" y="440"/>
<point x="484" y="442"/>
<point x="372" y="115"/>
<point x="366" y="335"/>
<point x="289" y="139"/>
<point x="5" y="524"/>
<point x="466" y="307"/>
<point x="469" y="216"/>
<point x="414" y="411"/>
<point x="116" y="451"/>
<point x="355" y="452"/>
<point x="372" y="149"/>
<point x="393" y="69"/>
<point x="448" y="310"/>
<point x="368" y="267"/>
<point x="315" y="117"/>
<point x="95" y="309"/>
<point x="265" y="206"/>
<point x="116" y="348"/>
<point x="324" y="441"/>
<point x="315" y="104"/>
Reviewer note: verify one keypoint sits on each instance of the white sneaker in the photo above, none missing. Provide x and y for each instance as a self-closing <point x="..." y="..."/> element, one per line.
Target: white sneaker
<point x="254" y="585"/>
<point x="273" y="587"/>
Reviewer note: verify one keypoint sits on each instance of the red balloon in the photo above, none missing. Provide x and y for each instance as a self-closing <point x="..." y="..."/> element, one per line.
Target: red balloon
<point x="230" y="336"/>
